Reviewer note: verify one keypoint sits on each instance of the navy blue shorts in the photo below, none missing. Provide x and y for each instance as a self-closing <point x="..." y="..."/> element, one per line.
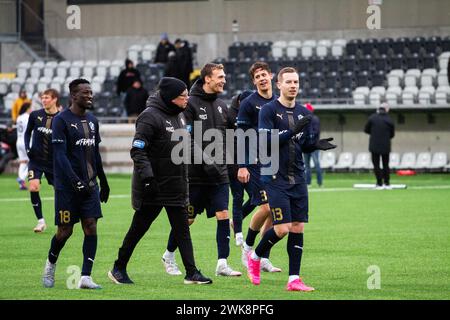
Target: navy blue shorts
<point x="35" y="172"/>
<point x="288" y="203"/>
<point x="71" y="207"/>
<point x="209" y="198"/>
<point x="257" y="192"/>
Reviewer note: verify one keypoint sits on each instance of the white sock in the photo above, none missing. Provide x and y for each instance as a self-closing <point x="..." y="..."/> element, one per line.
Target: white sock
<point x="41" y="221"/>
<point x="222" y="262"/>
<point x="255" y="257"/>
<point x="292" y="278"/>
<point x="263" y="260"/>
<point x="239" y="235"/>
<point x="247" y="247"/>
<point x="169" y="255"/>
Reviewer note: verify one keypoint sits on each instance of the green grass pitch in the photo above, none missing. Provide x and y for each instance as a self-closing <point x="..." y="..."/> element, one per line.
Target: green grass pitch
<point x="404" y="233"/>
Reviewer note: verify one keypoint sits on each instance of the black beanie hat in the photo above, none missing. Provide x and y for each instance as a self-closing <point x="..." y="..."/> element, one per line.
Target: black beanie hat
<point x="170" y="88"/>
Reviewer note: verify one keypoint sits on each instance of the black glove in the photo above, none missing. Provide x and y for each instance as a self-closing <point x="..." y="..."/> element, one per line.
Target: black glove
<point x="82" y="188"/>
<point x="104" y="191"/>
<point x="301" y="124"/>
<point x="151" y="187"/>
<point x="324" y="144"/>
<point x="211" y="170"/>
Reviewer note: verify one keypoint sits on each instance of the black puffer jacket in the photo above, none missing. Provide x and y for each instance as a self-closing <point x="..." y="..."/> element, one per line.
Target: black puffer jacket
<point x="381" y="129"/>
<point x="212" y="113"/>
<point x="151" y="154"/>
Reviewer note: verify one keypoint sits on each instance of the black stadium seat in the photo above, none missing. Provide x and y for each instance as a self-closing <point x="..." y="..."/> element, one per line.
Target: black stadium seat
<point x="333" y="64"/>
<point x="384" y="46"/>
<point x="332" y="80"/>
<point x="413" y="61"/>
<point x="415" y="45"/>
<point x="432" y="44"/>
<point x="347" y="79"/>
<point x="429" y="61"/>
<point x="365" y="63"/>
<point x="397" y="62"/>
<point x="399" y="45"/>
<point x="378" y="78"/>
<point x="382" y="63"/>
<point x="352" y="47"/>
<point x="316" y="80"/>
<point x="362" y="79"/>
<point x="368" y="46"/>
<point x="349" y="63"/>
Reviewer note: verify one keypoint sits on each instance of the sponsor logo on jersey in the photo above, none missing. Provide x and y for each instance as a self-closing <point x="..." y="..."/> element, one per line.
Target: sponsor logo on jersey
<point x="75" y="125"/>
<point x="168" y="122"/>
<point x="280" y="116"/>
<point x="138" y="144"/>
<point x="40" y="118"/>
<point x="85" y="142"/>
<point x="258" y="107"/>
<point x="45" y="130"/>
<point x="203" y="116"/>
<point x="170" y="129"/>
<point x="203" y="109"/>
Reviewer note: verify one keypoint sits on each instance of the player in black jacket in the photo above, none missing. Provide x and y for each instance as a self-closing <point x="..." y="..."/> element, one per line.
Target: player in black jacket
<point x="157" y="181"/>
<point x="208" y="182"/>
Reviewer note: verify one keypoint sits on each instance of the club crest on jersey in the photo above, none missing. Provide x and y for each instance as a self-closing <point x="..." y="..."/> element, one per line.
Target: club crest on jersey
<point x="300" y="117"/>
<point x="92" y="126"/>
<point x="280" y="116"/>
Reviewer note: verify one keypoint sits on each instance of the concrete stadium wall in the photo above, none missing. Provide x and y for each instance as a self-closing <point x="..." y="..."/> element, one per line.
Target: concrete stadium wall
<point x="11" y="55"/>
<point x="107" y="31"/>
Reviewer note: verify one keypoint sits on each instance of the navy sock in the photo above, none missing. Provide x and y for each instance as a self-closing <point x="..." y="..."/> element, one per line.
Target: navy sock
<point x="266" y="254"/>
<point x="251" y="236"/>
<point x="89" y="250"/>
<point x="171" y="243"/>
<point x="36" y="202"/>
<point x="247" y="208"/>
<point x="223" y="238"/>
<point x="269" y="239"/>
<point x="237" y="220"/>
<point x="55" y="248"/>
<point x="295" y="251"/>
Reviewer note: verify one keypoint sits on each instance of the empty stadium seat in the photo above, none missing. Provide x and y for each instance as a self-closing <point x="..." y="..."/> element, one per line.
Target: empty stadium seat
<point x="378" y="78"/>
<point x="394" y="160"/>
<point x="395" y="78"/>
<point x="392" y="95"/>
<point x="442" y="95"/>
<point x="49" y="69"/>
<point x="307" y="51"/>
<point x="428" y="77"/>
<point x="360" y="95"/>
<point x="17" y="85"/>
<point x="349" y="63"/>
<point x="429" y="61"/>
<point x="103" y="68"/>
<point x="399" y="45"/>
<point x="327" y="159"/>
<point x="384" y="46"/>
<point x="278" y="49"/>
<point x="322" y="48"/>
<point x="411" y="77"/>
<point x="426" y="95"/>
<point x="9" y="100"/>
<point x="413" y="61"/>
<point x="4" y="86"/>
<point x="408" y="161"/>
<point x="36" y="69"/>
<point x="439" y="161"/>
<point x="134" y="53"/>
<point x="423" y="160"/>
<point x="443" y="60"/>
<point x="377" y="95"/>
<point x="431" y="44"/>
<point x="148" y="51"/>
<point x="363" y="160"/>
<point x="363" y="79"/>
<point x="62" y="68"/>
<point x="43" y="84"/>
<point x="57" y="83"/>
<point x="344" y="162"/>
<point x="442" y="78"/>
<point x="75" y="68"/>
<point x="397" y="61"/>
<point x="23" y="69"/>
<point x="30" y="85"/>
<point x="409" y="95"/>
<point x="368" y="46"/>
<point x="97" y="84"/>
<point x="352" y="46"/>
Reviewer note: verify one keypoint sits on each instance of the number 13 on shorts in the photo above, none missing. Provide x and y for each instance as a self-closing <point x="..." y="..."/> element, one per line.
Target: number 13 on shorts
<point x="277" y="214"/>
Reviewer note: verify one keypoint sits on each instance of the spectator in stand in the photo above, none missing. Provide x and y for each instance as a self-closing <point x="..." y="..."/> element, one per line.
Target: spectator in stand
<point x="135" y="99"/>
<point x="126" y="78"/>
<point x="184" y="55"/>
<point x="163" y="49"/>
<point x="172" y="68"/>
<point x="18" y="105"/>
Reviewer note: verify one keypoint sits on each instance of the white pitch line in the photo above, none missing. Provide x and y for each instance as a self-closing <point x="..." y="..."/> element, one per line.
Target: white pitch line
<point x="127" y="196"/>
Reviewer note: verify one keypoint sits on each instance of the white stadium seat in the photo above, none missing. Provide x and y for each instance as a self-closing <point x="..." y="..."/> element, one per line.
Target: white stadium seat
<point x="43" y="84"/>
<point x="394" y="160"/>
<point x="36" y="69"/>
<point x="438" y="161"/>
<point x="17" y="84"/>
<point x="442" y="78"/>
<point x="426" y="95"/>
<point x="408" y="161"/>
<point x="409" y="95"/>
<point x="4" y="86"/>
<point x="23" y="69"/>
<point x="423" y="160"/>
<point x="392" y="96"/>
<point x="411" y="77"/>
<point x="9" y="100"/>
<point x="134" y="53"/>
<point x="75" y="68"/>
<point x="116" y="67"/>
<point x="30" y="85"/>
<point x="345" y="160"/>
<point x="327" y="159"/>
<point x="376" y="95"/>
<point x="148" y="51"/>
<point x="363" y="160"/>
<point x="442" y="95"/>
<point x="62" y="68"/>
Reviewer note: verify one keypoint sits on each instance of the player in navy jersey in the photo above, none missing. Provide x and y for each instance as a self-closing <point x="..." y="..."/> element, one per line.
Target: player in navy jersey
<point x="77" y="164"/>
<point x="40" y="151"/>
<point x="249" y="172"/>
<point x="286" y="189"/>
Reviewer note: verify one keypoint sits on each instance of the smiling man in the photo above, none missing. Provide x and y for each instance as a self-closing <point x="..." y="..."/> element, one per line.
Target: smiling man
<point x="208" y="182"/>
<point x="77" y="164"/>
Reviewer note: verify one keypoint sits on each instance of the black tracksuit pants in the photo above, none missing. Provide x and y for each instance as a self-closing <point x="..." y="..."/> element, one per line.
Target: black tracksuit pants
<point x="142" y="221"/>
<point x="381" y="174"/>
